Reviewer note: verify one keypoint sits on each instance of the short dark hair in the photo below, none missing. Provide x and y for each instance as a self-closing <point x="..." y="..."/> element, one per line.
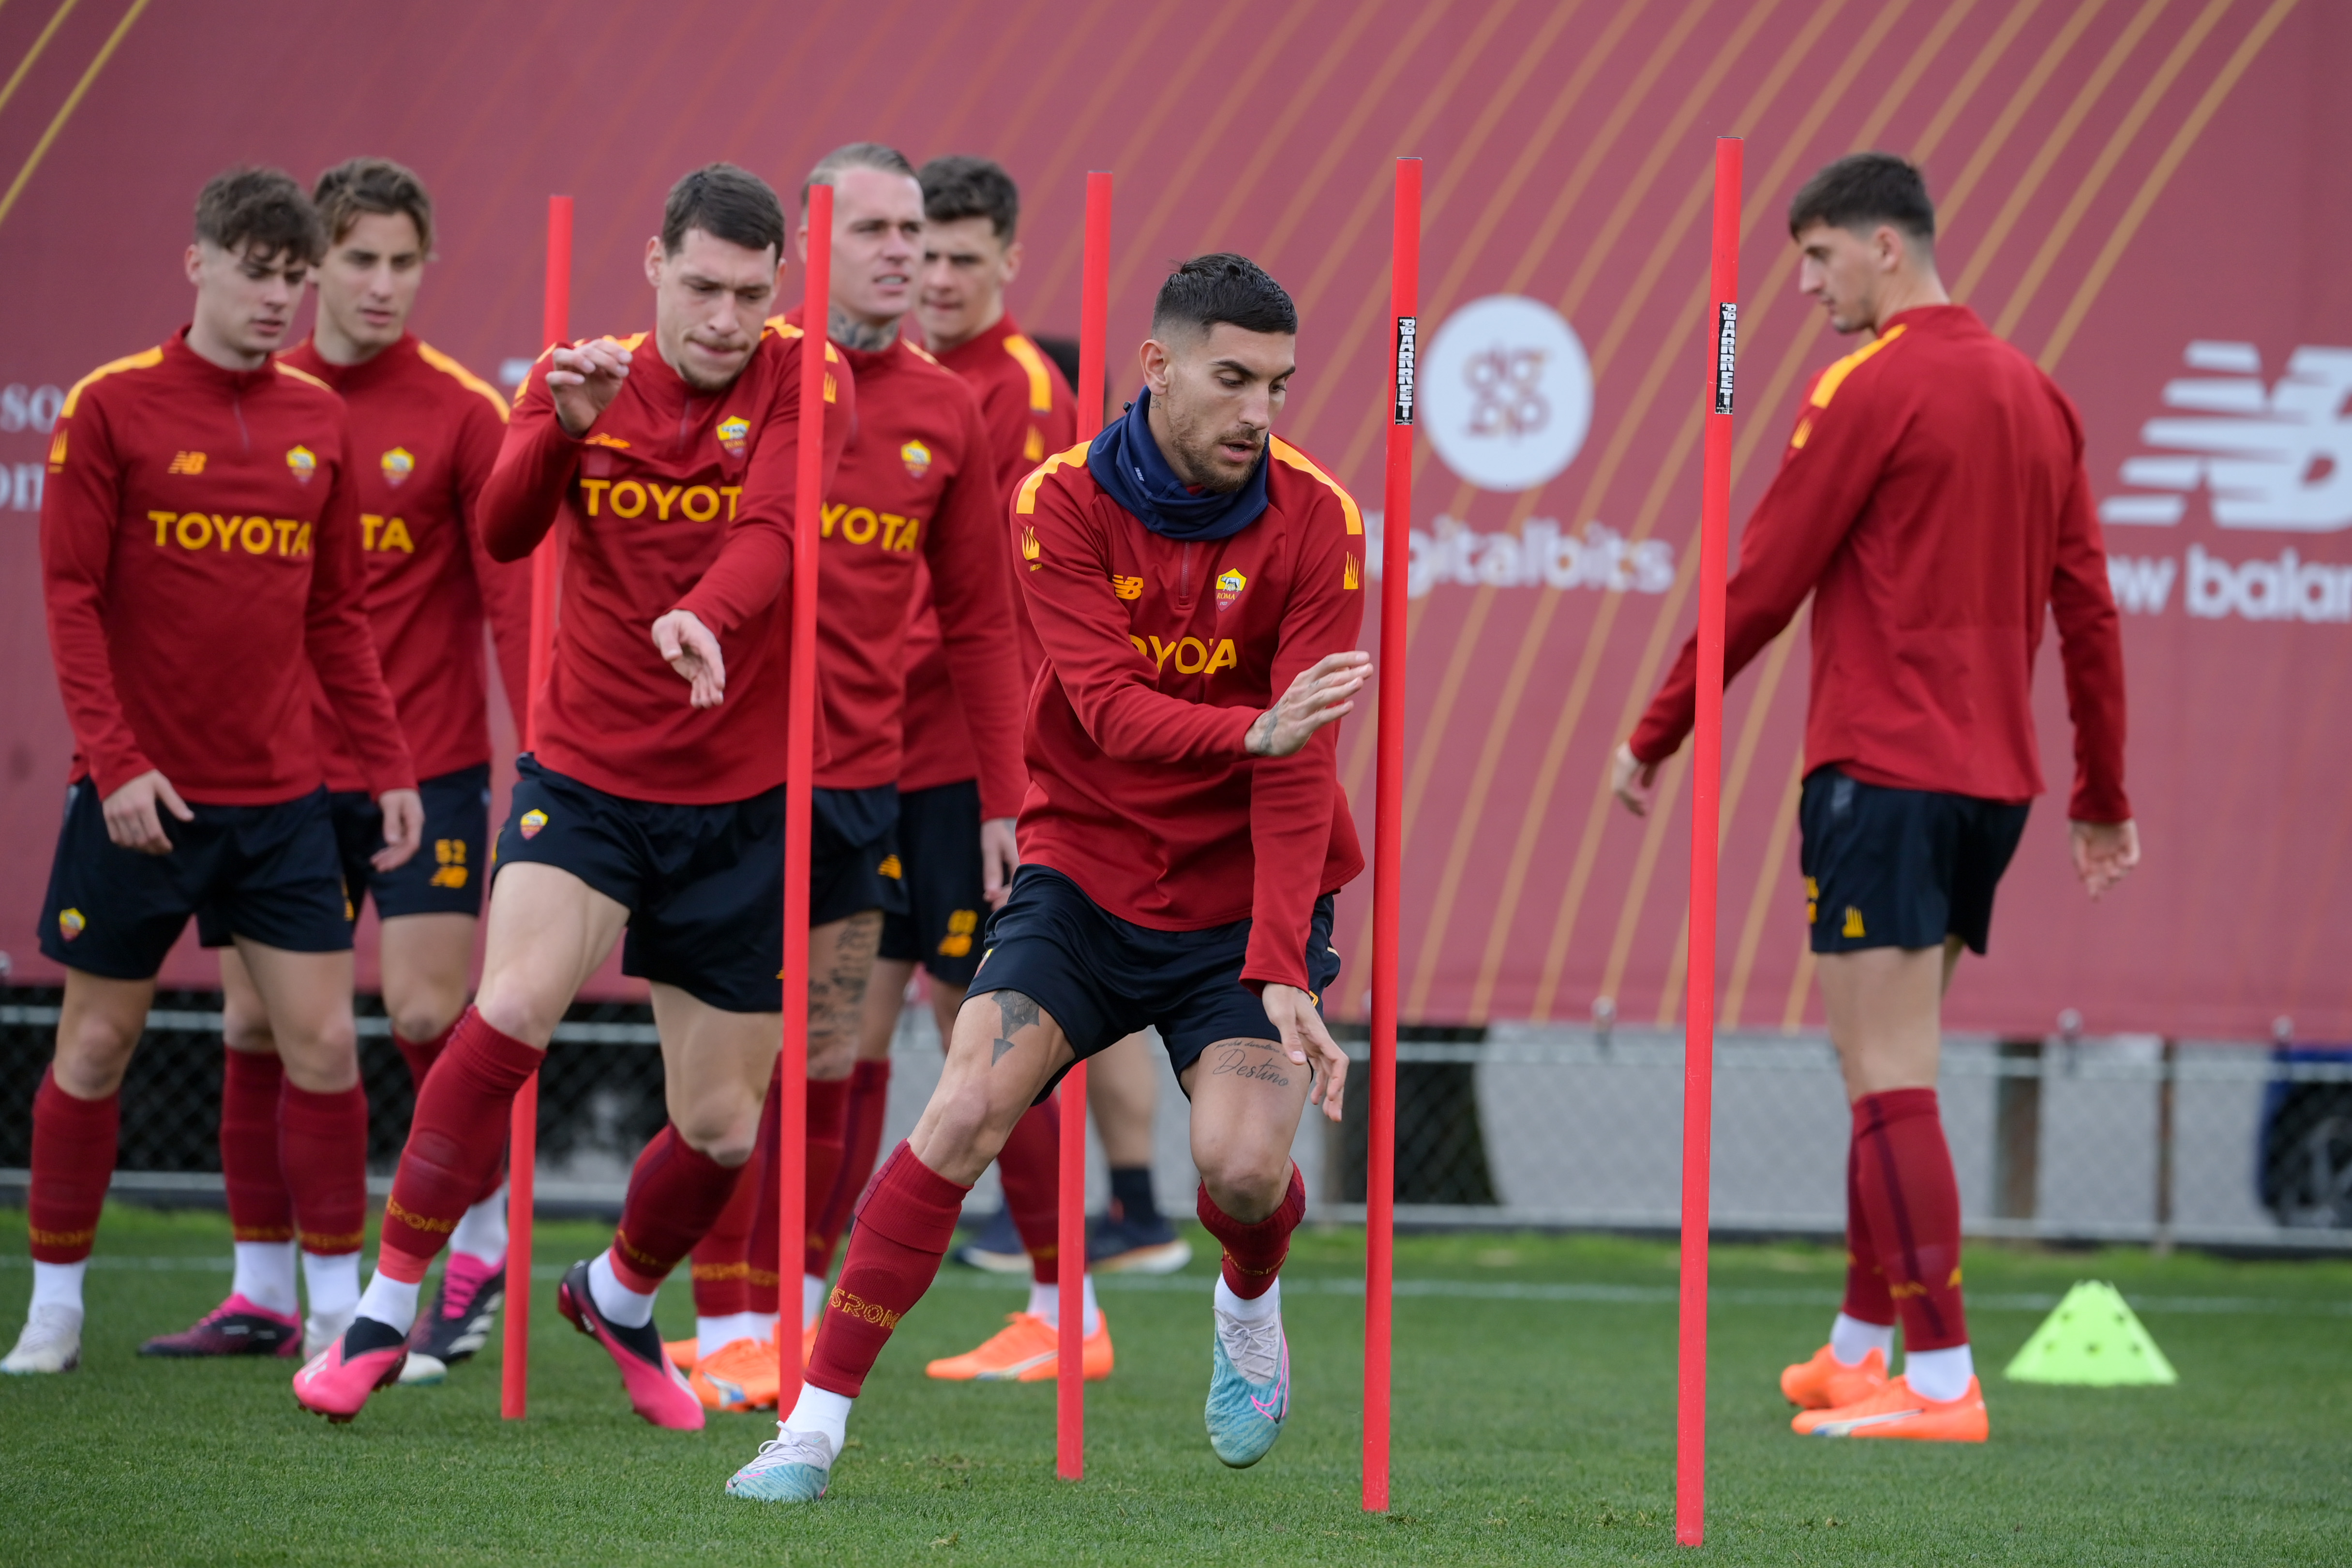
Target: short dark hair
<point x="957" y="187"/>
<point x="725" y="203"/>
<point x="856" y="155"/>
<point x="1862" y="190"/>
<point x="262" y="211"/>
<point x="1223" y="287"/>
<point x="361" y="185"/>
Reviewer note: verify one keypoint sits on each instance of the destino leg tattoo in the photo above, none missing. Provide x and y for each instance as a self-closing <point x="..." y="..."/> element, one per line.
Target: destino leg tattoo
<point x="1259" y="1059"/>
<point x="1014" y="1012"/>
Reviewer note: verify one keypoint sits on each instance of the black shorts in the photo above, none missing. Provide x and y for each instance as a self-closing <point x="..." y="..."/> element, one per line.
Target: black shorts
<point x="268" y="873"/>
<point x="1900" y="868"/>
<point x="704" y="885"/>
<point x="939" y="840"/>
<point x="1103" y="979"/>
<point x="854" y="853"/>
<point x="445" y="876"/>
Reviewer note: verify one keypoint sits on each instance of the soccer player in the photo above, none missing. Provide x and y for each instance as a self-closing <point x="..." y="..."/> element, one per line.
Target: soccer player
<point x="917" y="489"/>
<point x="200" y="541"/>
<point x="1933" y="501"/>
<point x="655" y="798"/>
<point x="1195" y="584"/>
<point x="427" y="433"/>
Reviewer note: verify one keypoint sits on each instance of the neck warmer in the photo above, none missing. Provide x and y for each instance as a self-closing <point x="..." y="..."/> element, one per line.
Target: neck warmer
<point x="1126" y="461"/>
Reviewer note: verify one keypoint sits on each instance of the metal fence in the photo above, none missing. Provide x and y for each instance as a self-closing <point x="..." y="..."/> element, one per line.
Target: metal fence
<point x="2130" y="1138"/>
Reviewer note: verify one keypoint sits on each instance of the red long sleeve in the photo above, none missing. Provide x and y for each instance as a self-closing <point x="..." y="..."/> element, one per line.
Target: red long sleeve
<point x="972" y="594"/>
<point x="342" y="648"/>
<point x="79" y="505"/>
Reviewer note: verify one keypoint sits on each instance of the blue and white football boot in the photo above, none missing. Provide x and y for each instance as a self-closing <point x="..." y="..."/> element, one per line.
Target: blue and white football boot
<point x="1249" y="1387"/>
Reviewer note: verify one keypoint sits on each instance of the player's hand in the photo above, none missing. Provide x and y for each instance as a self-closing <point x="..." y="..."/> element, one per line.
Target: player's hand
<point x="1318" y="696"/>
<point x="1632" y="780"/>
<point x="403" y="828"/>
<point x="2105" y="852"/>
<point x="131" y="820"/>
<point x="692" y="650"/>
<point x="1308" y="1044"/>
<point x="584" y="381"/>
<point x="1000" y="857"/>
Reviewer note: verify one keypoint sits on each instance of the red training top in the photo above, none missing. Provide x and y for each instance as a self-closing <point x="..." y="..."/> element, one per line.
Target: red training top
<point x="917" y="482"/>
<point x="434" y="430"/>
<point x="200" y="535"/>
<point x="674" y="500"/>
<point x="1160" y="653"/>
<point x="1934" y="503"/>
<point x="1030" y="411"/>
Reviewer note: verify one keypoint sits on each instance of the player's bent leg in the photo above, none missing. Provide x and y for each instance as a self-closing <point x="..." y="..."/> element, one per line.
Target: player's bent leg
<point x="1133" y="1236"/>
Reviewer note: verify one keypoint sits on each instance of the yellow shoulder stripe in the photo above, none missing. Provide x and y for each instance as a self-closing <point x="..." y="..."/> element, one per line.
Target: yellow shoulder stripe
<point x="300" y="375"/>
<point x="461" y="375"/>
<point x="922" y="353"/>
<point x="784" y="329"/>
<point x="145" y="359"/>
<point x="1040" y="382"/>
<point x="1834" y="377"/>
<point x="1027" y="503"/>
<point x="1283" y="452"/>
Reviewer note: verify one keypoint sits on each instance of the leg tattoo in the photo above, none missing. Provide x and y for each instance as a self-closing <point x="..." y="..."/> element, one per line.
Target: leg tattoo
<point x="1255" y="1059"/>
<point x="1014" y="1013"/>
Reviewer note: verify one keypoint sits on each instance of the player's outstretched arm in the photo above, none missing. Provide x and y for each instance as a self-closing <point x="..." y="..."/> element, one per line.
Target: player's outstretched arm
<point x="1308" y="1044"/>
<point x="2105" y="852"/>
<point x="1322" y="694"/>
<point x="692" y="650"/>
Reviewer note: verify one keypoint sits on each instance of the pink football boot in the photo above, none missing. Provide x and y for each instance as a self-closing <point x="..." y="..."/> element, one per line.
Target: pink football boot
<point x="657" y="1390"/>
<point x="336" y="1381"/>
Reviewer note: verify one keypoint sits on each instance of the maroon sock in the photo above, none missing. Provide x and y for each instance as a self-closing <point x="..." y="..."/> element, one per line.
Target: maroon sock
<point x="456" y="1141"/>
<point x="421" y="1054"/>
<point x="904" y="1222"/>
<point x="1031" y="1165"/>
<point x="1866" y="1297"/>
<point x="1254" y="1253"/>
<point x="73" y="1156"/>
<point x="828" y="1134"/>
<point x="1912" y="1202"/>
<point x="765" y="1247"/>
<point x="675" y="1194"/>
<point x="260" y="1207"/>
<point x="722" y="1284"/>
<point x="323" y="1147"/>
<point x="869" y="1098"/>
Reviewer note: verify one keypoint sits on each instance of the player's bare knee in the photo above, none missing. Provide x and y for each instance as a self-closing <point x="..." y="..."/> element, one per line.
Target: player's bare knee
<point x="92" y="1058"/>
<point x="247" y="1028"/>
<point x="1247" y="1183"/>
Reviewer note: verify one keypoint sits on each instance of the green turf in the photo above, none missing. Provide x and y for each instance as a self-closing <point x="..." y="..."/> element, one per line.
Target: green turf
<point x="1534" y="1427"/>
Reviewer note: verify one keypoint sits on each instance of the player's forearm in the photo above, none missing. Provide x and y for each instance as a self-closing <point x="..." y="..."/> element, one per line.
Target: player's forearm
<point x="525" y="490"/>
<point x="341" y="649"/>
<point x="754" y="566"/>
<point x="1291" y="802"/>
<point x="93" y="706"/>
<point x="1132" y="723"/>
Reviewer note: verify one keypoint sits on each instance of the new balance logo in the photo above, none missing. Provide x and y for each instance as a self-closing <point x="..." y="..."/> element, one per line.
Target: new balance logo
<point x="2276" y="456"/>
<point x="187" y="463"/>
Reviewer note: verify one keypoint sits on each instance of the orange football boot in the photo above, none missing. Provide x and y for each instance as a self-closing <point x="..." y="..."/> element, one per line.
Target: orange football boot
<point x="683" y="1353"/>
<point x="1825" y="1381"/>
<point x="1895" y="1412"/>
<point x="738" y="1376"/>
<point x="1025" y="1351"/>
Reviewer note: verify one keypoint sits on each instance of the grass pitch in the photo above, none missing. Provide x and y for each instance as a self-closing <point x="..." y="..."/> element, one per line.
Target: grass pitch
<point x="1534" y="1423"/>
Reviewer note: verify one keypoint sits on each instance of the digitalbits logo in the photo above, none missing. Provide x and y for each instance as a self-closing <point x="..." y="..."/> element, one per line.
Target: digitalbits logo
<point x="1506" y="392"/>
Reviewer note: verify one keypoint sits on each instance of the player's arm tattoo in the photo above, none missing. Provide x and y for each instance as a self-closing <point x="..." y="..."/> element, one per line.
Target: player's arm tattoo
<point x="1256" y="1059"/>
<point x="1014" y="1012"/>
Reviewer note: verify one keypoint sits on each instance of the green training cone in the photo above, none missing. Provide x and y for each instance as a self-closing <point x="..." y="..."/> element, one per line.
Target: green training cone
<point x="2094" y="1338"/>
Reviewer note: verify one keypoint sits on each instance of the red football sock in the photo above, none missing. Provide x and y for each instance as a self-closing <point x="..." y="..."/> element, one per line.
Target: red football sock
<point x="1866" y="1297"/>
<point x="73" y="1156"/>
<point x="722" y="1284"/>
<point x="828" y="1134"/>
<point x="1912" y="1205"/>
<point x="904" y="1222"/>
<point x="764" y="1247"/>
<point x="260" y="1207"/>
<point x="869" y="1098"/>
<point x="421" y="1054"/>
<point x="1254" y="1253"/>
<point x="323" y="1147"/>
<point x="456" y="1143"/>
<point x="1031" y="1165"/>
<point x="675" y="1194"/>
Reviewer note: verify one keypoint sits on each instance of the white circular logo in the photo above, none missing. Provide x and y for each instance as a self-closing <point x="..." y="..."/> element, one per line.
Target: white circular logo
<point x="1506" y="392"/>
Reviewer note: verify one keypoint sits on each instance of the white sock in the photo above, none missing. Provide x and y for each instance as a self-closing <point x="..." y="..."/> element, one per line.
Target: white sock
<point x="264" y="1276"/>
<point x="58" y="1284"/>
<point x="333" y="1282"/>
<point x="390" y="1303"/>
<point x="1938" y="1374"/>
<point x="819" y="1411"/>
<point x="482" y="1234"/>
<point x="812" y="1295"/>
<point x="714" y="1334"/>
<point x="1257" y="1310"/>
<point x="621" y="1305"/>
<point x="1851" y="1340"/>
<point x="1045" y="1301"/>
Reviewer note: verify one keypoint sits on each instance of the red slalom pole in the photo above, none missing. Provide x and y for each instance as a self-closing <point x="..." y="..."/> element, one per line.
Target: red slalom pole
<point x="522" y="1130"/>
<point x="799" y="745"/>
<point x="1388" y="833"/>
<point x="1070" y="1213"/>
<point x="1706" y="785"/>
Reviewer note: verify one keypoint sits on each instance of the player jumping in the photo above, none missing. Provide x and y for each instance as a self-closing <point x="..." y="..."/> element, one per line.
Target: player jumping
<point x="669" y="458"/>
<point x="1933" y="501"/>
<point x="201" y="557"/>
<point x="1193" y="580"/>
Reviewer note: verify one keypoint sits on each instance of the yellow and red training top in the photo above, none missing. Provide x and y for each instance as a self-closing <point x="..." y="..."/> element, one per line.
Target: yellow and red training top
<point x="200" y="541"/>
<point x="1030" y="411"/>
<point x="425" y="435"/>
<point x="1159" y="655"/>
<point x="674" y="500"/>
